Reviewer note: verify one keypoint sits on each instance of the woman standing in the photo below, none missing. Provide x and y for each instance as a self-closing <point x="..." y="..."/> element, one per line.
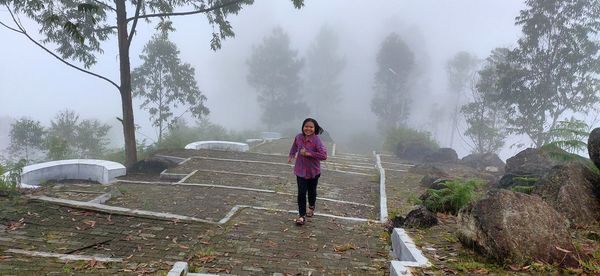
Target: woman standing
<point x="310" y="152"/>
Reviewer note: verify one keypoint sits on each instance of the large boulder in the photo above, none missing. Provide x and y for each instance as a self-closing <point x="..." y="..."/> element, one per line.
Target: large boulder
<point x="152" y="165"/>
<point x="529" y="166"/>
<point x="420" y="217"/>
<point x="570" y="190"/>
<point x="435" y="174"/>
<point x="594" y="146"/>
<point x="510" y="180"/>
<point x="413" y="150"/>
<point x="514" y="227"/>
<point x="533" y="161"/>
<point x="484" y="162"/>
<point x="442" y="155"/>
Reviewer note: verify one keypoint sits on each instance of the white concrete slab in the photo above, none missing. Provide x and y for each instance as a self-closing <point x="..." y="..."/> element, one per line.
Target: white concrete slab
<point x="218" y="145"/>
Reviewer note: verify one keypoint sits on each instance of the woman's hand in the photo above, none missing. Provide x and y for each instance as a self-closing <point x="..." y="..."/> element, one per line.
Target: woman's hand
<point x="290" y="159"/>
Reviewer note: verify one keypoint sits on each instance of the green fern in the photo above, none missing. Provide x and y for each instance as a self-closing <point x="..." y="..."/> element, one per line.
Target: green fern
<point x="526" y="179"/>
<point x="453" y="197"/>
<point x="569" y="135"/>
<point x="522" y="189"/>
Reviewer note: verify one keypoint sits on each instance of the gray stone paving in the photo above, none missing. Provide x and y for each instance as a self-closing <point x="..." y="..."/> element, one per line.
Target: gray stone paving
<point x="252" y="242"/>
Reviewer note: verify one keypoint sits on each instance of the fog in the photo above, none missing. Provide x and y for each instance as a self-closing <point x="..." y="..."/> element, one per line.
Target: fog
<point x="34" y="84"/>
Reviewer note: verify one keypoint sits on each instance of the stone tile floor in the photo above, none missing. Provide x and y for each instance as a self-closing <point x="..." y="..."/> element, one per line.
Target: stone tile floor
<point x="252" y="242"/>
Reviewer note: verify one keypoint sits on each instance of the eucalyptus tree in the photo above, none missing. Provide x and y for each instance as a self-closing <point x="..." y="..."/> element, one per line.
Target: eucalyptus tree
<point x="274" y="71"/>
<point x="554" y="71"/>
<point x="324" y="64"/>
<point x="395" y="66"/>
<point x="486" y="126"/>
<point x="460" y="71"/>
<point x="163" y="83"/>
<point x="26" y="136"/>
<point x="78" y="29"/>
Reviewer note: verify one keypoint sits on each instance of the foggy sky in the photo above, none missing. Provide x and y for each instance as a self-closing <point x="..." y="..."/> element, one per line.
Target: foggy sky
<point x="34" y="84"/>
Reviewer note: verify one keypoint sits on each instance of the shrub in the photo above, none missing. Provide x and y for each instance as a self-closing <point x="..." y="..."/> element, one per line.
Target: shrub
<point x="181" y="134"/>
<point x="10" y="181"/>
<point x="402" y="141"/>
<point x="453" y="197"/>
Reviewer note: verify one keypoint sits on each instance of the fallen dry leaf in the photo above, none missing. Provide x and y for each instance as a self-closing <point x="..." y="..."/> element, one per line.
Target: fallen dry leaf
<point x="344" y="247"/>
<point x="218" y="270"/>
<point x="271" y="243"/>
<point x="91" y="223"/>
<point x="92" y="263"/>
<point x="514" y="267"/>
<point x="183" y="246"/>
<point x="15" y="225"/>
<point x="206" y="259"/>
<point x="563" y="250"/>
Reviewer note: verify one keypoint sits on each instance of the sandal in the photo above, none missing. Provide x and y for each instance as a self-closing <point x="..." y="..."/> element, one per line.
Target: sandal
<point x="300" y="221"/>
<point x="310" y="212"/>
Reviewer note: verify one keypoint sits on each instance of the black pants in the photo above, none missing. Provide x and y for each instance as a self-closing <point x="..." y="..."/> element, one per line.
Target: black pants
<point x="306" y="186"/>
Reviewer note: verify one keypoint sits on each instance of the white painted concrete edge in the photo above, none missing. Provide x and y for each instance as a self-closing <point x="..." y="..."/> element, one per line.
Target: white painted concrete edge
<point x="162" y="215"/>
<point x="402" y="245"/>
<point x="218" y="145"/>
<point x="241" y="188"/>
<point x="396" y="268"/>
<point x="405" y="250"/>
<point x="382" y="196"/>
<point x="70" y="257"/>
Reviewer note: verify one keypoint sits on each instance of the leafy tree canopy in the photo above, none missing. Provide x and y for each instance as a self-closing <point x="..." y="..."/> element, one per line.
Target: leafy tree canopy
<point x="324" y="66"/>
<point x="554" y="69"/>
<point x="395" y="65"/>
<point x="78" y="27"/>
<point x="26" y="136"/>
<point x="274" y="71"/>
<point x="164" y="83"/>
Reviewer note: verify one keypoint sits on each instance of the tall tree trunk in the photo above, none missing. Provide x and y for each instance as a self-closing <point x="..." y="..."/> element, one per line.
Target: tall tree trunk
<point x="125" y="88"/>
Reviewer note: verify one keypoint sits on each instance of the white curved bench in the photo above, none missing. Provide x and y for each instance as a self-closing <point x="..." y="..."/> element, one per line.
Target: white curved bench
<point x="85" y="169"/>
<point x="218" y="145"/>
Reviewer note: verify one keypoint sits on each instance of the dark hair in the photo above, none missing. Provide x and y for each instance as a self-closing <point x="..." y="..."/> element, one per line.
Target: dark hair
<point x="318" y="129"/>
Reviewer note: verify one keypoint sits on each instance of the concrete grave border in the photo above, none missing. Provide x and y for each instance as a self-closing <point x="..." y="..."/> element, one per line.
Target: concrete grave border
<point x="218" y="145"/>
<point x="404" y="249"/>
<point x="102" y="171"/>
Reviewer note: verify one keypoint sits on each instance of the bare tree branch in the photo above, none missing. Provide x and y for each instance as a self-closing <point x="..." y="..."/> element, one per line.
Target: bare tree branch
<point x="135" y="21"/>
<point x="186" y="13"/>
<point x="10" y="28"/>
<point x="22" y="31"/>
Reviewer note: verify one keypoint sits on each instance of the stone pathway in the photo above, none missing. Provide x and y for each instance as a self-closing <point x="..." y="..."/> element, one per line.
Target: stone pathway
<point x="248" y="201"/>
